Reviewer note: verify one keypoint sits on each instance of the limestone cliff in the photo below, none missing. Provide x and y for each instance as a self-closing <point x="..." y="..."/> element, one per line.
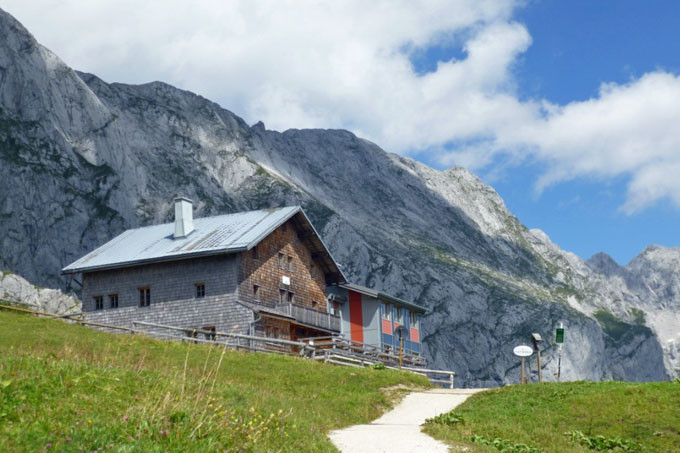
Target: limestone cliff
<point x="82" y="159"/>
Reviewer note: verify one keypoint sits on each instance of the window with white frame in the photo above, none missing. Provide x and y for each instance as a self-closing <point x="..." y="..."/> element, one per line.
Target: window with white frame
<point x="386" y="311"/>
<point x="413" y="319"/>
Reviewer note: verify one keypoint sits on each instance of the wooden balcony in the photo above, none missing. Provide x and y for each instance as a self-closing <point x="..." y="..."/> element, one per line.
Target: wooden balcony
<point x="311" y="317"/>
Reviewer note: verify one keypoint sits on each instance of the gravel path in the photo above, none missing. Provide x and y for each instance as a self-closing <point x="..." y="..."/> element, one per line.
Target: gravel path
<point x="398" y="431"/>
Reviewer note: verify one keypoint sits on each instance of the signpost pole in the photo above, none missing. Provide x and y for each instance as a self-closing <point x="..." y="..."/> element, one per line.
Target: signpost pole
<point x="522" y="351"/>
<point x="559" y="339"/>
<point x="535" y="340"/>
<point x="559" y="362"/>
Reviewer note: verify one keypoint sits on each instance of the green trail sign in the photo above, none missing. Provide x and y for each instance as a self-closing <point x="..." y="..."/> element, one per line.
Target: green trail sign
<point x="559" y="335"/>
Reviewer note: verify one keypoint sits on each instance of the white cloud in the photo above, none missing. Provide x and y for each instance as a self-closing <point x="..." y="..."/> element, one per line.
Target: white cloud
<point x="344" y="65"/>
<point x="629" y="129"/>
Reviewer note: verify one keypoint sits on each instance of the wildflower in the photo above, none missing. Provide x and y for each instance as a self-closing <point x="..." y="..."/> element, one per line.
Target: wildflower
<point x="125" y="418"/>
<point x="68" y="439"/>
<point x="13" y="373"/>
<point x="48" y="445"/>
<point x="89" y="421"/>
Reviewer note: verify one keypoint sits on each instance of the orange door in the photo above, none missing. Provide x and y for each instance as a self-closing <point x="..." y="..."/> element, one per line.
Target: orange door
<point x="356" y="321"/>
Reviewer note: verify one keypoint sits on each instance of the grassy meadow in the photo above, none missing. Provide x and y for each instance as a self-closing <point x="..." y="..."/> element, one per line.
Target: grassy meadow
<point x="566" y="417"/>
<point x="65" y="387"/>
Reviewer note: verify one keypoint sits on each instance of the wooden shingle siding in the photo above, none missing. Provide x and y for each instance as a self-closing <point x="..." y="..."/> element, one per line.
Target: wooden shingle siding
<point x="173" y="294"/>
<point x="307" y="281"/>
<point x="222" y="312"/>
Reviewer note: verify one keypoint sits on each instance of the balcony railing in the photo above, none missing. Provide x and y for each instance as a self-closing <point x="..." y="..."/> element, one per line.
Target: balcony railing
<point x="311" y="317"/>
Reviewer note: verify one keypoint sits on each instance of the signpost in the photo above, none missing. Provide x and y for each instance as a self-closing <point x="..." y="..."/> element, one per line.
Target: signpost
<point x="535" y="339"/>
<point x="559" y="339"/>
<point x="523" y="351"/>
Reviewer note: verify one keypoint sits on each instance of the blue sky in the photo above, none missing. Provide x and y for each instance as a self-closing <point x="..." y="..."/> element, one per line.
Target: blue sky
<point x="568" y="109"/>
<point x="577" y="46"/>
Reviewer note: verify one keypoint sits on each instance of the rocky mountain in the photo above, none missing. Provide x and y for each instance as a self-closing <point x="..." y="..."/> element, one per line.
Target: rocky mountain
<point x="82" y="159"/>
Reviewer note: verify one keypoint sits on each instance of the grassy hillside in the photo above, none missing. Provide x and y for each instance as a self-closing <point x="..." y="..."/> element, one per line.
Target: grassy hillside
<point x="65" y="387"/>
<point x="567" y="417"/>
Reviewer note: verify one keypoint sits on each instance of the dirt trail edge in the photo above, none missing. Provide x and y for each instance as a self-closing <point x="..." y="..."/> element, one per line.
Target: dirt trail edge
<point x="398" y="431"/>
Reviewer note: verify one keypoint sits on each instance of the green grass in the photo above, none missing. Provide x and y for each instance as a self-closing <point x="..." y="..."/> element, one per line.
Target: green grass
<point x="65" y="387"/>
<point x="612" y="325"/>
<point x="636" y="416"/>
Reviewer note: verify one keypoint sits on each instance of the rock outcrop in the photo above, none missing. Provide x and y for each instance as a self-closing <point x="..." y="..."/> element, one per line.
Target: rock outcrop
<point x="15" y="290"/>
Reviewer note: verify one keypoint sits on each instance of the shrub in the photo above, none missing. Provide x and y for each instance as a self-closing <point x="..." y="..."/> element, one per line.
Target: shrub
<point x="449" y="418"/>
<point x="601" y="443"/>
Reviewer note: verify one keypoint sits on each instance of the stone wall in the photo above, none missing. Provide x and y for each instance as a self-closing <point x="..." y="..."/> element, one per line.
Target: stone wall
<point x="306" y="276"/>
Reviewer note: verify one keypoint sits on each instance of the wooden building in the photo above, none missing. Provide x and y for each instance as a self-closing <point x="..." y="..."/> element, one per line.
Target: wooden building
<point x="260" y="273"/>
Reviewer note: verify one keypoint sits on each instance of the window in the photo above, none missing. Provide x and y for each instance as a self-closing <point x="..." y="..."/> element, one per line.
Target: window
<point x="282" y="296"/>
<point x="253" y="253"/>
<point x="256" y="292"/>
<point x="413" y="319"/>
<point x="272" y="332"/>
<point x="282" y="261"/>
<point x="289" y="265"/>
<point x="291" y="297"/>
<point x="200" y="290"/>
<point x="144" y="297"/>
<point x="386" y="313"/>
<point x="211" y="334"/>
<point x="98" y="302"/>
<point x="113" y="300"/>
<point x="400" y="316"/>
<point x="312" y="270"/>
<point x="335" y="308"/>
<point x="315" y="305"/>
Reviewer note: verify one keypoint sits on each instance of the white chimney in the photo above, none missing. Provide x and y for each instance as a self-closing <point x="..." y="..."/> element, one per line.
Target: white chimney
<point x="184" y="217"/>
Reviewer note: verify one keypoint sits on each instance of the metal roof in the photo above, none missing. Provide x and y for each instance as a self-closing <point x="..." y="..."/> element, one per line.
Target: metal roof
<point x="212" y="235"/>
<point x="380" y="295"/>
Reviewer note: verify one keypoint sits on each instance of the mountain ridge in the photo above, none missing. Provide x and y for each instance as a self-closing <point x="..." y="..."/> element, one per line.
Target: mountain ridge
<point x="85" y="159"/>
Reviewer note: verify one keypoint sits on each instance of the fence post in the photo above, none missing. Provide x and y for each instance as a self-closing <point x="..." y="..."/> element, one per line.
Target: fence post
<point x="451" y="377"/>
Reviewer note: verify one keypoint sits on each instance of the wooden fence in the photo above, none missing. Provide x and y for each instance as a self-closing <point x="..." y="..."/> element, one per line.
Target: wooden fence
<point x="333" y="350"/>
<point x="388" y="356"/>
